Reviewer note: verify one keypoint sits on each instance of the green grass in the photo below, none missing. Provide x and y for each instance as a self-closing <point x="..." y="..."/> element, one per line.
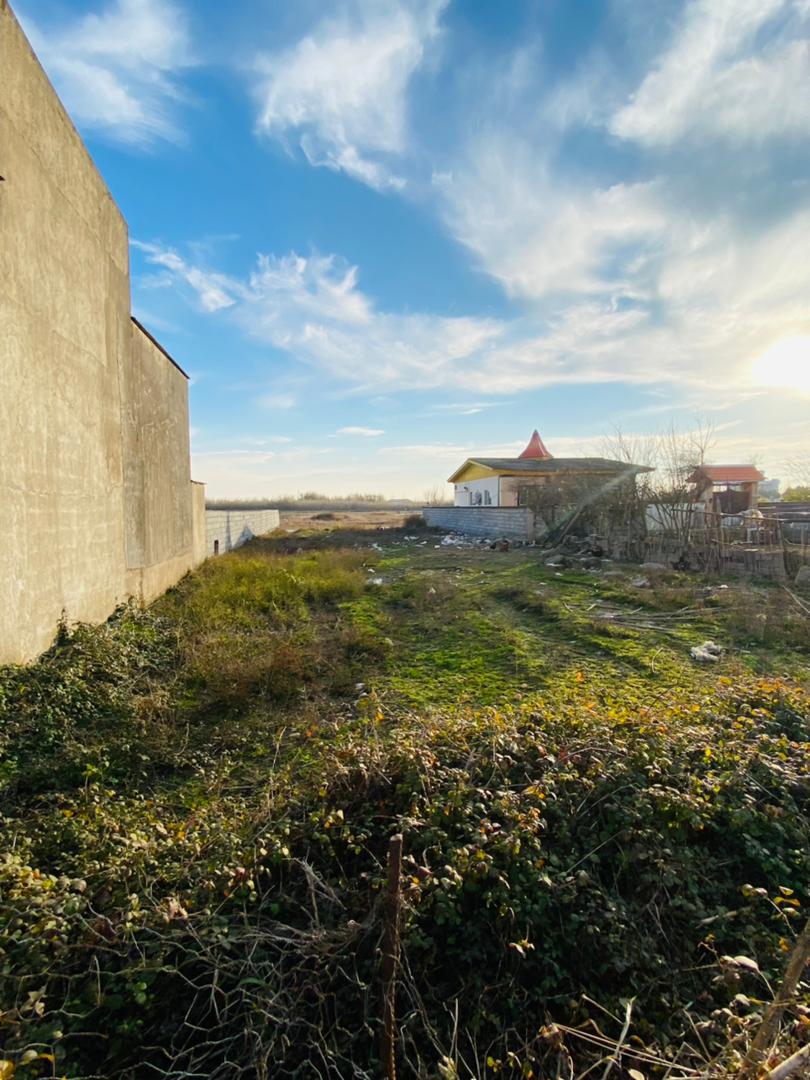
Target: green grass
<point x="196" y="800"/>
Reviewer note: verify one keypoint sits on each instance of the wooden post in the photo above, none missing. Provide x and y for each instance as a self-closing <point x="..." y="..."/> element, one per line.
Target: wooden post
<point x="758" y="1051"/>
<point x="390" y="957"/>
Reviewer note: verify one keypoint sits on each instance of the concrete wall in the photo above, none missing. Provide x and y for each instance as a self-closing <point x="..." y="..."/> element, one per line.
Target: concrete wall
<point x="199" y="543"/>
<point x="516" y="523"/>
<point x="157" y="485"/>
<point x="228" y="529"/>
<point x="90" y="415"/>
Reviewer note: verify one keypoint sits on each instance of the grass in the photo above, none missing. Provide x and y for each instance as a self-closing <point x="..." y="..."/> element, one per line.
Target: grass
<point x="196" y="799"/>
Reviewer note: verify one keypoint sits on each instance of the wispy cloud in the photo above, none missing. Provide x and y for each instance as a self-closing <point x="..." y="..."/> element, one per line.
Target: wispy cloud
<point x="340" y="93"/>
<point x="314" y="309"/>
<point x="116" y="70"/>
<point x="211" y="289"/>
<point x="539" y="233"/>
<point x="693" y="313"/>
<point x="362" y="432"/>
<point x="267" y="440"/>
<point x="278" y="401"/>
<point x="621" y="263"/>
<point x="468" y="408"/>
<point x="718" y="79"/>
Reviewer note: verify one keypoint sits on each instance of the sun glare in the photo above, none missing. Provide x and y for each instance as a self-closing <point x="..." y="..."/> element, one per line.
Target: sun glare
<point x="786" y="364"/>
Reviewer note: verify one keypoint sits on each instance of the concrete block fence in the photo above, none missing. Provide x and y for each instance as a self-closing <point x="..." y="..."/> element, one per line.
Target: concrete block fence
<point x="516" y="523"/>
<point x="229" y="529"/>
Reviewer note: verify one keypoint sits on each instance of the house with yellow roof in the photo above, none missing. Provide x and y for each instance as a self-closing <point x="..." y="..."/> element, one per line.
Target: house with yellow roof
<point x="507" y="482"/>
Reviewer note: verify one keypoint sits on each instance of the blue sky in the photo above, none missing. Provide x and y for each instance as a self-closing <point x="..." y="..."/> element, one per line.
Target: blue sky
<point x="384" y="234"/>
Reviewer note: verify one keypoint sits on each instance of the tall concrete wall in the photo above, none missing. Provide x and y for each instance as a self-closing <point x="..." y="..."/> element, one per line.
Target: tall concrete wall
<point x="229" y="529"/>
<point x="199" y="544"/>
<point x="93" y="419"/>
<point x="157" y="494"/>
<point x="516" y="523"/>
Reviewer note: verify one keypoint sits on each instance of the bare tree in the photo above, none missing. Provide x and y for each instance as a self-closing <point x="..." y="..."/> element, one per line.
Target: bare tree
<point x="674" y="455"/>
<point x="434" y="496"/>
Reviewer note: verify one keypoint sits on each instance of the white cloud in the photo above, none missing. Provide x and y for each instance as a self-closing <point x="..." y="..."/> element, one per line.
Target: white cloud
<point x="691" y="309"/>
<point x="341" y="91"/>
<point x="212" y="289"/>
<point x="278" y="401"/>
<point x="362" y="432"/>
<point x="470" y="408"/>
<point x="717" y="80"/>
<point x="320" y="287"/>
<point x="538" y="234"/>
<point x="116" y="71"/>
<point x="314" y="309"/>
<point x="267" y="440"/>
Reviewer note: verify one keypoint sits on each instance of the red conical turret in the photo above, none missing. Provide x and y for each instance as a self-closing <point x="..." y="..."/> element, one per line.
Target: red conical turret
<point x="536" y="448"/>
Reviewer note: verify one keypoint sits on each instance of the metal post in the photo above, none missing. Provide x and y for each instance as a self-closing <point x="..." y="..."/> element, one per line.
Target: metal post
<point x="390" y="956"/>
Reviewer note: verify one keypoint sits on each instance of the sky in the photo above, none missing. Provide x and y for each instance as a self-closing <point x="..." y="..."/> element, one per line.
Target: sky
<point x="384" y="235"/>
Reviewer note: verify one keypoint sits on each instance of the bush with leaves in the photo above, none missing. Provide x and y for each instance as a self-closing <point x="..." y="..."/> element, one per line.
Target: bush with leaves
<point x="194" y="858"/>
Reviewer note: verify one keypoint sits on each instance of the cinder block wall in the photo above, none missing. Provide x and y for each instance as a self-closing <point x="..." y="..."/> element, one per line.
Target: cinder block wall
<point x="229" y="529"/>
<point x="516" y="523"/>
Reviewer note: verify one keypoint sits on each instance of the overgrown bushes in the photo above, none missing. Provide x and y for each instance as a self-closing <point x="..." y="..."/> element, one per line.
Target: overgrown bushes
<point x="196" y="805"/>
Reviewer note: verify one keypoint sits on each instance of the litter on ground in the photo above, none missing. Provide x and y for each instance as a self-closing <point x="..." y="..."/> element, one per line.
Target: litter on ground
<point x="707" y="653"/>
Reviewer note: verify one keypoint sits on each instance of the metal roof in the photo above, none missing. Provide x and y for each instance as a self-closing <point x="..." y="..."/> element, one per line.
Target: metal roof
<point x="546" y="466"/>
<point x="536" y="448"/>
<point x="727" y="474"/>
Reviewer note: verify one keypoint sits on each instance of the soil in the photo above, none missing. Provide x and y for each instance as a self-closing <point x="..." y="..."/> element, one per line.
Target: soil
<point x="292" y="520"/>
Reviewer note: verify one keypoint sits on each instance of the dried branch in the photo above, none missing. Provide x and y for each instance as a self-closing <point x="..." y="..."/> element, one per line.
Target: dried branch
<point x="765" y="1036"/>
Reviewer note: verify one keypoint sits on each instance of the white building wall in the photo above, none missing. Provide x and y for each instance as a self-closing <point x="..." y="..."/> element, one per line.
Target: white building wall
<point x="482" y="492"/>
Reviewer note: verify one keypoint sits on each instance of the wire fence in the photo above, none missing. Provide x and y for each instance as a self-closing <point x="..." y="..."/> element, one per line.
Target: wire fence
<point x="748" y="544"/>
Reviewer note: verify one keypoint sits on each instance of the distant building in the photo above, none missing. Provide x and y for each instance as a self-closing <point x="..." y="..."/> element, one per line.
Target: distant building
<point x="726" y="489"/>
<point x="769" y="490"/>
<point x="505" y="482"/>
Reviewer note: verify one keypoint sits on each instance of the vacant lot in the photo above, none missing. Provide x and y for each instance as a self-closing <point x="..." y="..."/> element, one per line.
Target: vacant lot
<point x="197" y="801"/>
<point x="306" y="520"/>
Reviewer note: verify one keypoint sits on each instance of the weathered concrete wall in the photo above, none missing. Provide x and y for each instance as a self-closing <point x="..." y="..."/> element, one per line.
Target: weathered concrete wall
<point x="75" y="395"/>
<point x="64" y="328"/>
<point x="157" y="494"/>
<point x="516" y="523"/>
<point x="228" y="529"/>
<point x="199" y="544"/>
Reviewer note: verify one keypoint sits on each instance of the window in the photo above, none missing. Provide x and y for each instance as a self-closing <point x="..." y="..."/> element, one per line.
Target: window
<point x="487" y="499"/>
<point x="216" y="547"/>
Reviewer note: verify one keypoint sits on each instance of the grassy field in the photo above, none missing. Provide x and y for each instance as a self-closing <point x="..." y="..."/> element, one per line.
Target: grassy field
<point x="196" y="801"/>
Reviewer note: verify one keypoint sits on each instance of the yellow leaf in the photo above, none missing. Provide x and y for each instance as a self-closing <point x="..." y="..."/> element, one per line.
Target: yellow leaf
<point x="6" y="1069"/>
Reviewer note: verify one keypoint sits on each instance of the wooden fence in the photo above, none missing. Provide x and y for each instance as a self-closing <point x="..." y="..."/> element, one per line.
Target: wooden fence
<point x="722" y="544"/>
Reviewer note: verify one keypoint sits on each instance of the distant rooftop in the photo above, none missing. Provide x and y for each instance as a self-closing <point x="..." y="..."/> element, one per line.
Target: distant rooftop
<point x="552" y="465"/>
<point x="727" y="474"/>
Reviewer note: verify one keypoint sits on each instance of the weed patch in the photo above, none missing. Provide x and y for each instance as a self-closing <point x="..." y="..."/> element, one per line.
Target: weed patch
<point x="196" y="801"/>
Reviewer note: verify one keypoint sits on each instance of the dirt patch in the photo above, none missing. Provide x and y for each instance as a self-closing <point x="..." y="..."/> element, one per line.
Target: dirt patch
<point x="293" y="520"/>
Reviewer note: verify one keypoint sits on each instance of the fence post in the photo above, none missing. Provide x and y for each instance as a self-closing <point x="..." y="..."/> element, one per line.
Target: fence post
<point x="390" y="956"/>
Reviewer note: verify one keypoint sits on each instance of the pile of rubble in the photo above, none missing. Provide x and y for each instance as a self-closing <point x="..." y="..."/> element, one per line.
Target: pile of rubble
<point x="580" y="553"/>
<point x="464" y="540"/>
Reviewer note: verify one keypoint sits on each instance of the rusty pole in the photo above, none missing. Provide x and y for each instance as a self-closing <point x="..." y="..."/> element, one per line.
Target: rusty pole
<point x="390" y="956"/>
